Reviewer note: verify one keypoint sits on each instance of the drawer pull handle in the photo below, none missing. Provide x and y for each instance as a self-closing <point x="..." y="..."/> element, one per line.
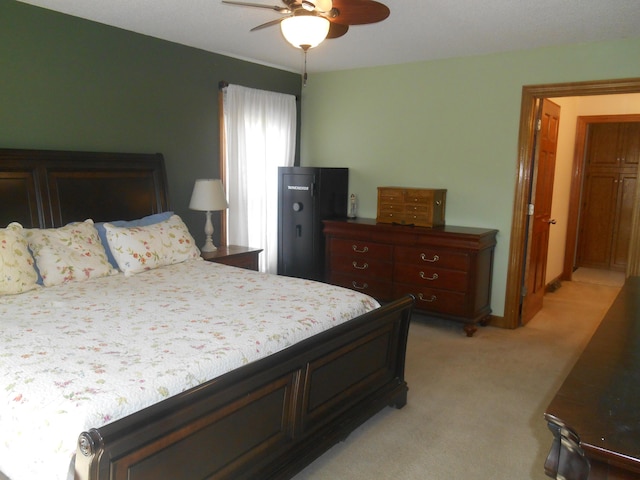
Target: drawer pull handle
<point x="432" y="260"/>
<point x="364" y="266"/>
<point x="433" y="298"/>
<point x="359" y="250"/>
<point x="424" y="276"/>
<point x="359" y="286"/>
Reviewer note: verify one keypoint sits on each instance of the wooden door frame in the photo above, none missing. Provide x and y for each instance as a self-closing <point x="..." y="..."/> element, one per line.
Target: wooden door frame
<point x="531" y="94"/>
<point x="577" y="183"/>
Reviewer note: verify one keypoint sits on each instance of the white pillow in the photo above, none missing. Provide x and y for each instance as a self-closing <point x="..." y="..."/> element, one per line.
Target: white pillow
<point x="17" y="273"/>
<point x="137" y="249"/>
<point x="71" y="253"/>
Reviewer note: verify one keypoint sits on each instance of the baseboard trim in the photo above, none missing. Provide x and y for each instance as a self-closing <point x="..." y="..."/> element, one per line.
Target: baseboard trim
<point x="553" y="285"/>
<point x="500" y="322"/>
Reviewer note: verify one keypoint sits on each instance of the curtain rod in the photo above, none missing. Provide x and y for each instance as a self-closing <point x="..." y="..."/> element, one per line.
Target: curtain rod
<point x="222" y="84"/>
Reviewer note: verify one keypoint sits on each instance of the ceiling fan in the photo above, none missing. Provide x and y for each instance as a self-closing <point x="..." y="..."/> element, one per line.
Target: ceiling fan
<point x="306" y="23"/>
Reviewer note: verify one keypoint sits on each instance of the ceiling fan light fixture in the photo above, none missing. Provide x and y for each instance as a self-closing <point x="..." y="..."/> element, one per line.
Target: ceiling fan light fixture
<point x="305" y="31"/>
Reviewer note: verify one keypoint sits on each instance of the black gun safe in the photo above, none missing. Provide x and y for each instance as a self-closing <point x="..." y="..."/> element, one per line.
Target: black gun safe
<point x="306" y="197"/>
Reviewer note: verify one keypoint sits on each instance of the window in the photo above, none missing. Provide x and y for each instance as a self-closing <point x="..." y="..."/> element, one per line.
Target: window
<point x="259" y="130"/>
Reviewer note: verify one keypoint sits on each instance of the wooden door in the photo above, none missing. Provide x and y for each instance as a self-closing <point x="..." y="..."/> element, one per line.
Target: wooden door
<point x="623" y="220"/>
<point x="540" y="220"/>
<point x="599" y="200"/>
<point x="611" y="162"/>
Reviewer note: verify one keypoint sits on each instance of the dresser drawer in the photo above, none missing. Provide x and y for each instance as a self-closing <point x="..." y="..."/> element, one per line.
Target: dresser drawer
<point x="435" y="257"/>
<point x="361" y="248"/>
<point x="434" y="300"/>
<point x="418" y="218"/>
<point x="391" y="195"/>
<point x="430" y="277"/>
<point x="379" y="288"/>
<point x="355" y="265"/>
<point x="392" y="215"/>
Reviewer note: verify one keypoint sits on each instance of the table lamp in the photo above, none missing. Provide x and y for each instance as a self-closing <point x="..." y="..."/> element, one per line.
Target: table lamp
<point x="208" y="196"/>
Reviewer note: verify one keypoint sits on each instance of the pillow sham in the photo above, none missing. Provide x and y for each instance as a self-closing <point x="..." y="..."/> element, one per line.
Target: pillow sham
<point x="137" y="249"/>
<point x="71" y="253"/>
<point x="17" y="272"/>
<point x="140" y="222"/>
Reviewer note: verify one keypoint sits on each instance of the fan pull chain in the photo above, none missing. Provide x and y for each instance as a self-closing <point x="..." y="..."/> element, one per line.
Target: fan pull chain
<point x="304" y="75"/>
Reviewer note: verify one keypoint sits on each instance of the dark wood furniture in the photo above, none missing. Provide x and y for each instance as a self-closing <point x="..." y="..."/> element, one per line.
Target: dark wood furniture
<point x="235" y="255"/>
<point x="266" y="420"/>
<point x="448" y="269"/>
<point x="595" y="416"/>
<point x="44" y="189"/>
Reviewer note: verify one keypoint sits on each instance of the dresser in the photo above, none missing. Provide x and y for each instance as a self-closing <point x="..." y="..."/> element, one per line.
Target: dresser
<point x="448" y="269"/>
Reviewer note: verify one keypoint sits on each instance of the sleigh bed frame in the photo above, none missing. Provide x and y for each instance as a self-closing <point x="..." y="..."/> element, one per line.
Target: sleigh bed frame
<point x="266" y="420"/>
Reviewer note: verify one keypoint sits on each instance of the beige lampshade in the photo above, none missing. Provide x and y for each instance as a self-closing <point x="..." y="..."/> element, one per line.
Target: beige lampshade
<point x="208" y="196"/>
<point x="305" y="30"/>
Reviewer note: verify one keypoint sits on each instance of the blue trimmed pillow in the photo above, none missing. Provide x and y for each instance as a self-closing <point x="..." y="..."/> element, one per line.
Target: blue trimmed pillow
<point x="140" y="222"/>
<point x="137" y="249"/>
<point x="68" y="254"/>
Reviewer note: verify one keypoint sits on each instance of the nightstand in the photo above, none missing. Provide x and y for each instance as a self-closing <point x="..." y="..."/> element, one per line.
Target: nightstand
<point x="235" y="255"/>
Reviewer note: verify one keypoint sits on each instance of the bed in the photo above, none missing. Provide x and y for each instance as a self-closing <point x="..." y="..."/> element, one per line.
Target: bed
<point x="266" y="412"/>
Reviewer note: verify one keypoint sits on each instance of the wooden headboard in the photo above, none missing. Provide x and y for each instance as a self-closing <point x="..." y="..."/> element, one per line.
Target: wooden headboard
<point x="47" y="188"/>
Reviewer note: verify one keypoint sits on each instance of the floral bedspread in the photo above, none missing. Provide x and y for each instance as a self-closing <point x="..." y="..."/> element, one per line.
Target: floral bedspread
<point x="81" y="355"/>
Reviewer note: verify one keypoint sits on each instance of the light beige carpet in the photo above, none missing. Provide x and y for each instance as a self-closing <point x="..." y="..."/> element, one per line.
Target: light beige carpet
<point x="599" y="276"/>
<point x="475" y="408"/>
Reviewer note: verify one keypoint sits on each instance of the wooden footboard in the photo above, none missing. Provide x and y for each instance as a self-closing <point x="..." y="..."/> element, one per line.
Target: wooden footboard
<point x="266" y="420"/>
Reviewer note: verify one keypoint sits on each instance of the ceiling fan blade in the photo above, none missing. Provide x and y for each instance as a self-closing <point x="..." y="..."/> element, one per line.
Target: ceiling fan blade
<point x="258" y="5"/>
<point x="269" y="24"/>
<point x="359" y="12"/>
<point x="337" y="30"/>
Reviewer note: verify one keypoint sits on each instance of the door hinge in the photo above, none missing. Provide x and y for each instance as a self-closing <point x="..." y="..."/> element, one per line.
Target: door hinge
<point x="524" y="291"/>
<point x="539" y="125"/>
<point x="530" y="209"/>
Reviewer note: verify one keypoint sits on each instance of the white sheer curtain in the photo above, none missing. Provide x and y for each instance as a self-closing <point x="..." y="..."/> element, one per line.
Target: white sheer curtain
<point x="260" y="136"/>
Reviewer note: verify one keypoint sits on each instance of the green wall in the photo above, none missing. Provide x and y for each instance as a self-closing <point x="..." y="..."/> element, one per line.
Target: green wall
<point x="72" y="84"/>
<point x="444" y="124"/>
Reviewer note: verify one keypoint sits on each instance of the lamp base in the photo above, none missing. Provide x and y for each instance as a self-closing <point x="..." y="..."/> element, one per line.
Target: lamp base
<point x="208" y="246"/>
<point x="208" y="235"/>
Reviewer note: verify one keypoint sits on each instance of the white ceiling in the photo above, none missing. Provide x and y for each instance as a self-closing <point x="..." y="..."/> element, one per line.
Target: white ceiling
<point x="416" y="30"/>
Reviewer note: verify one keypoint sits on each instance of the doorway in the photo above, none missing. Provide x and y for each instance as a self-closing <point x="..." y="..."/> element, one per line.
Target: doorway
<point x="531" y="96"/>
